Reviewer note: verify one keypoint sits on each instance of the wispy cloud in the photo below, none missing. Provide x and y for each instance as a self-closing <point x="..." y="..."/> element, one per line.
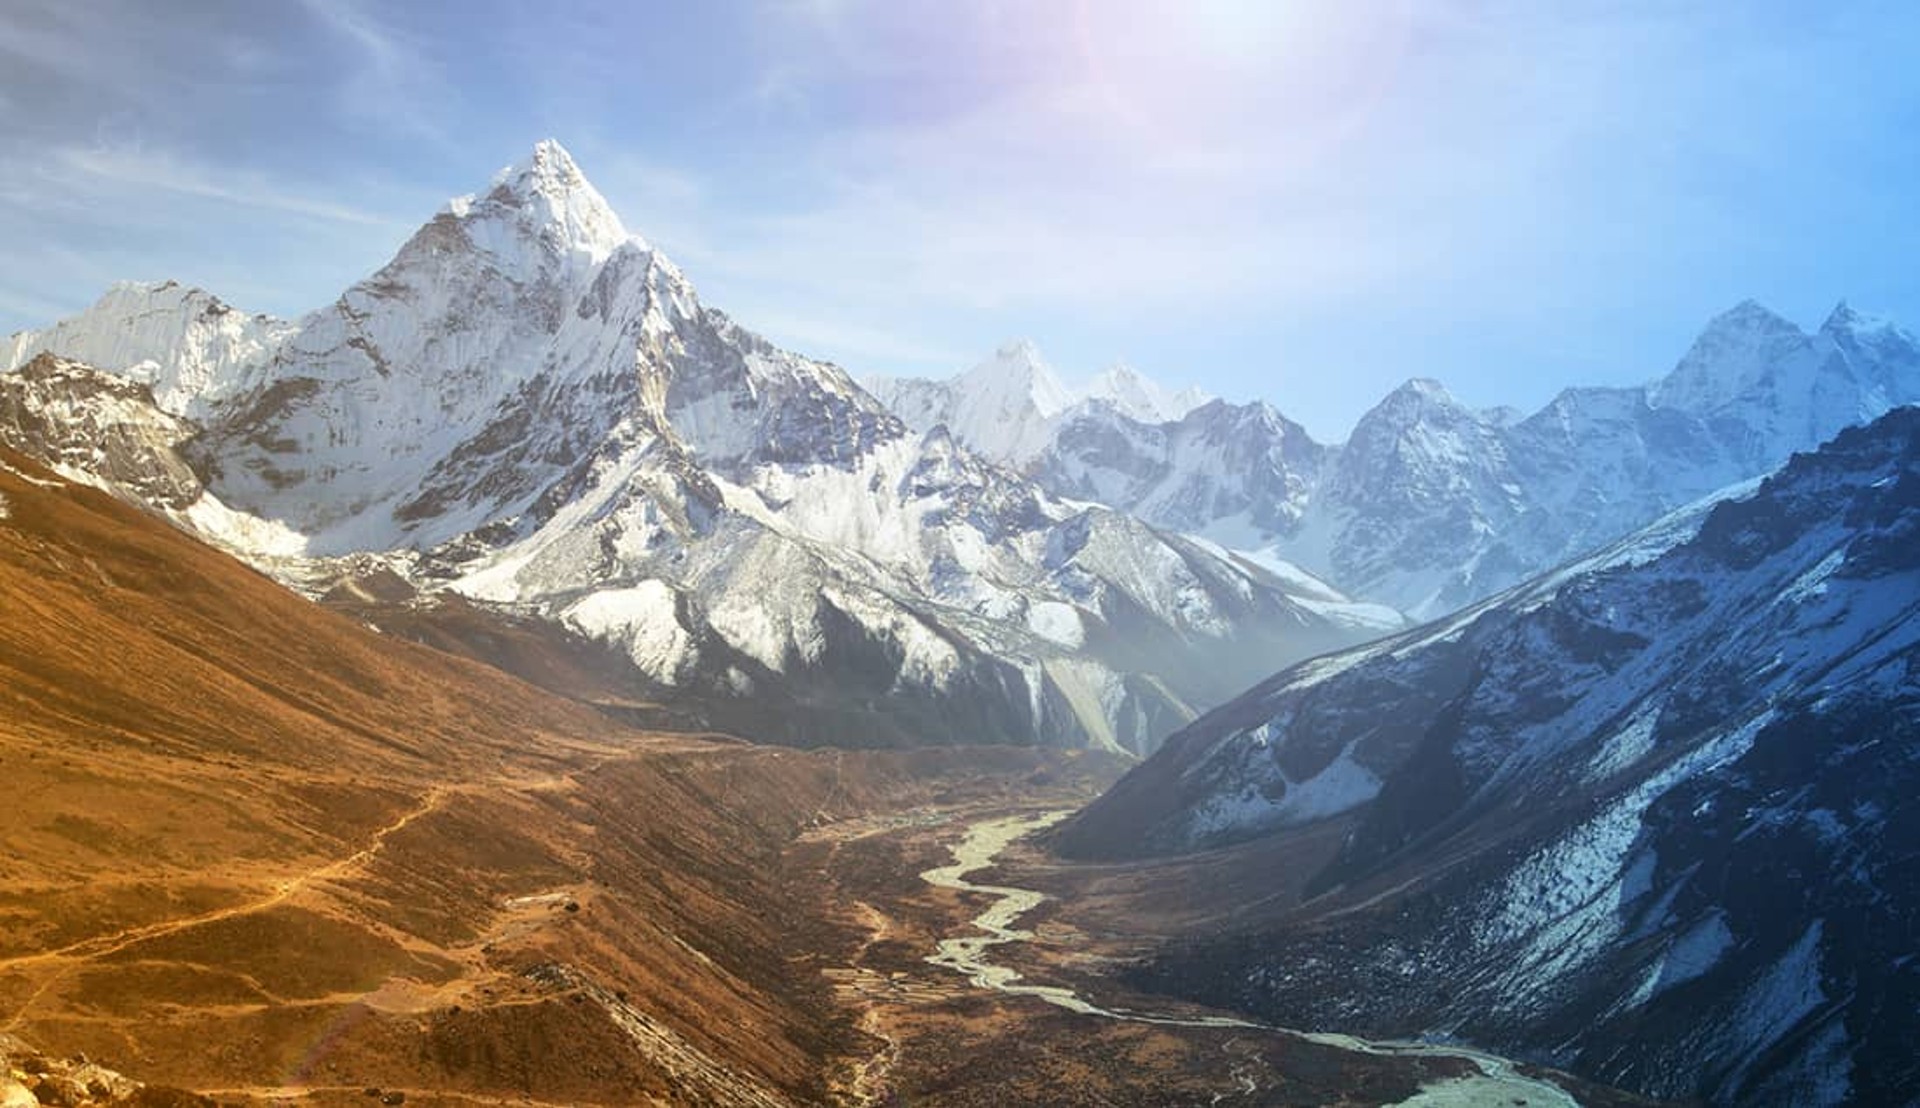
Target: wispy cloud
<point x="131" y="168"/>
<point x="393" y="83"/>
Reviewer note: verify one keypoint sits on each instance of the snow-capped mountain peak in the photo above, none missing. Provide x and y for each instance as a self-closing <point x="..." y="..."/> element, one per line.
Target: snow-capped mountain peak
<point x="184" y="343"/>
<point x="1868" y="337"/>
<point x="1420" y="392"/>
<point x="1017" y="375"/>
<point x="543" y="199"/>
<point x="1003" y="408"/>
<point x="1012" y="406"/>
<point x="1731" y="357"/>
<point x="1141" y="398"/>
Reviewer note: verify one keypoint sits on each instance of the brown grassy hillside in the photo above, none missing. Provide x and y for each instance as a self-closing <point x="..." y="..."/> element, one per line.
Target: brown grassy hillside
<point x="254" y="848"/>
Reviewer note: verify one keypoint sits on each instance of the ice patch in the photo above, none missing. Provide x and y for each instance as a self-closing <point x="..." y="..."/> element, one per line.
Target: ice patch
<point x="644" y="621"/>
<point x="1343" y="785"/>
<point x="1786" y="994"/>
<point x="243" y="532"/>
<point x="1057" y="622"/>
<point x="1695" y="952"/>
<point x="1813" y="583"/>
<point x="1624" y="747"/>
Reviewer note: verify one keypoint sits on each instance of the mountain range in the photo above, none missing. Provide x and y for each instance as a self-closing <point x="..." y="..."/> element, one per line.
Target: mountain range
<point x="1647" y="817"/>
<point x="1430" y="505"/>
<point x="529" y="408"/>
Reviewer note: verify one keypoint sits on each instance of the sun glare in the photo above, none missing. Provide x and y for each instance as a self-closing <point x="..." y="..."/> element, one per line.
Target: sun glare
<point x="1181" y="75"/>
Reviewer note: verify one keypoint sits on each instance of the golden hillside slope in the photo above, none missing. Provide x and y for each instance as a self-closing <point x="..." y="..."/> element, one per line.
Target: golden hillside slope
<point x="253" y="848"/>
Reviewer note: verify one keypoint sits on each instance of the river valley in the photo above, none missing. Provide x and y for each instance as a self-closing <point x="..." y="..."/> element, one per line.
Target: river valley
<point x="1497" y="1082"/>
<point x="972" y="994"/>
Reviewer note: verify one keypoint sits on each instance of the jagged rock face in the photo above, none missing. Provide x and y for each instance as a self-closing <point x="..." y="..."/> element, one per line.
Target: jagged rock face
<point x="1422" y="487"/>
<point x="1648" y="817"/>
<point x="85" y="421"/>
<point x="532" y="408"/>
<point x="1218" y="464"/>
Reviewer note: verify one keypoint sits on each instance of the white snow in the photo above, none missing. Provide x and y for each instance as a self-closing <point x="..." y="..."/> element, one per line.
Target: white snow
<point x="642" y="620"/>
<point x="186" y="345"/>
<point x="1057" y="622"/>
<point x="242" y="533"/>
<point x="1008" y="407"/>
<point x="1694" y="952"/>
<point x="1624" y="747"/>
<point x="1787" y="992"/>
<point x="1138" y="397"/>
<point x="1563" y="903"/>
<point x="1343" y="785"/>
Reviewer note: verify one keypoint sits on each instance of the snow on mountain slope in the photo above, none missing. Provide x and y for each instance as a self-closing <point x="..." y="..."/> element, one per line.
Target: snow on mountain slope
<point x="1011" y="406"/>
<point x="532" y="408"/>
<point x="1002" y="408"/>
<point x="186" y="345"/>
<point x="487" y="303"/>
<point x="1141" y="398"/>
<point x="1649" y="817"/>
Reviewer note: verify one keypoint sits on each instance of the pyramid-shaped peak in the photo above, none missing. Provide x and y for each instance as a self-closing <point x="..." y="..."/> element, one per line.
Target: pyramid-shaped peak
<point x="1016" y="372"/>
<point x="1751" y="315"/>
<point x="1018" y="351"/>
<point x="1424" y="390"/>
<point x="544" y="197"/>
<point x="1140" y="397"/>
<point x="549" y="167"/>
<point x="1418" y="401"/>
<point x="1846" y="317"/>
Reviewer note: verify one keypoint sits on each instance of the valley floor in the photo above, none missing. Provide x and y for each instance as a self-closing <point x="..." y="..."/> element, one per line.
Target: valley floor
<point x="941" y="1037"/>
<point x="559" y="937"/>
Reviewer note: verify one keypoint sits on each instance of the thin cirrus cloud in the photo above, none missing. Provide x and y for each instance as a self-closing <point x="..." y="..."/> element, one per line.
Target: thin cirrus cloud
<point x="143" y="173"/>
<point x="389" y="80"/>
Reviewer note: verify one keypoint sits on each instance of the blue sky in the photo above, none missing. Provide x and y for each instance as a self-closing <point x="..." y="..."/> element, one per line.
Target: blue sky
<point x="1305" y="203"/>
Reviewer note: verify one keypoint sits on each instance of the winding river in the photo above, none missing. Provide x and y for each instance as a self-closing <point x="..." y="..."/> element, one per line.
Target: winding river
<point x="1498" y="1082"/>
